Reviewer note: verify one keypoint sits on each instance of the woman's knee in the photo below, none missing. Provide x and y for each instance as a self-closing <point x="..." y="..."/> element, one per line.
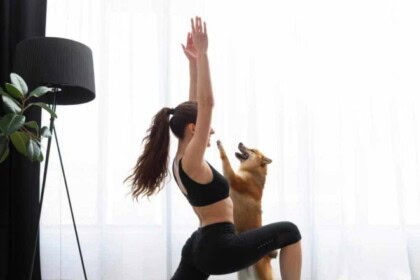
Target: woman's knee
<point x="290" y="233"/>
<point x="294" y="229"/>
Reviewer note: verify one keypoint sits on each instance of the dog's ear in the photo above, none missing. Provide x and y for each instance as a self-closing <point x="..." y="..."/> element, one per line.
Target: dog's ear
<point x="266" y="160"/>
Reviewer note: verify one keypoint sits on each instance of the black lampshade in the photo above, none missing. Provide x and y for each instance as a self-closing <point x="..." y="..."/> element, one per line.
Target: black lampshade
<point x="56" y="62"/>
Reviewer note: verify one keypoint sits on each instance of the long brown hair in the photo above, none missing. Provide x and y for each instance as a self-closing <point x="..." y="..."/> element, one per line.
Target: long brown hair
<point x="152" y="166"/>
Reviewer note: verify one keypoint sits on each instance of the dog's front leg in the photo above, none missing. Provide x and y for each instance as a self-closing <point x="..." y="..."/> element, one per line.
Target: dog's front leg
<point x="227" y="168"/>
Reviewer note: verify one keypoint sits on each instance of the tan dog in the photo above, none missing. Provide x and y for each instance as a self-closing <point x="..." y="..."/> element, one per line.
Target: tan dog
<point x="246" y="189"/>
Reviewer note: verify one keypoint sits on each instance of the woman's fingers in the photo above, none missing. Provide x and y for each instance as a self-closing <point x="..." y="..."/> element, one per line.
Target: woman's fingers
<point x="198" y="29"/>
<point x="198" y="37"/>
<point x="190" y="39"/>
<point x="192" y="26"/>
<point x="197" y="24"/>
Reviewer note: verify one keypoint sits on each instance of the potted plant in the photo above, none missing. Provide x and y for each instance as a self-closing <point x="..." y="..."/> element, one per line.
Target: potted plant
<point x="25" y="136"/>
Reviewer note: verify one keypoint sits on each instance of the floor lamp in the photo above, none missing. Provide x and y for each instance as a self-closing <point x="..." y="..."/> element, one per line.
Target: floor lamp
<point x="66" y="66"/>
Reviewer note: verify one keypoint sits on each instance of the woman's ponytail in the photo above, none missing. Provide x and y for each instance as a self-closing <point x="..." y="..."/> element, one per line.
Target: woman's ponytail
<point x="152" y="166"/>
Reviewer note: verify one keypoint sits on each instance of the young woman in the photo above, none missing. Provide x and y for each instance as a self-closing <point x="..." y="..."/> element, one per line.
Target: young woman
<point x="215" y="247"/>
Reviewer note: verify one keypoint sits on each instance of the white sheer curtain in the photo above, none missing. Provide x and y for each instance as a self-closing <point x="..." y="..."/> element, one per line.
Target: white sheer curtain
<point x="327" y="89"/>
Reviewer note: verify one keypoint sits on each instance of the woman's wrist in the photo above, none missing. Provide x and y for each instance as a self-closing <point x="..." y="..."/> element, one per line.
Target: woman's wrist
<point x="193" y="69"/>
<point x="193" y="64"/>
<point x="201" y="55"/>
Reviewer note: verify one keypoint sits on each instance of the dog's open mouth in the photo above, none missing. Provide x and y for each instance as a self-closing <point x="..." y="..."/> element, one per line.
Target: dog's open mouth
<point x="243" y="155"/>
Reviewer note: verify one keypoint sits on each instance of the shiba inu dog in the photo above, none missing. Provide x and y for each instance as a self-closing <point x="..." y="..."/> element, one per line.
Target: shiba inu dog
<point x="246" y="189"/>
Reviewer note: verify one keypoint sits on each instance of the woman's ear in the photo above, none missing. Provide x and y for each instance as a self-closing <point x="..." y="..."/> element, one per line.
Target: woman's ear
<point x="191" y="128"/>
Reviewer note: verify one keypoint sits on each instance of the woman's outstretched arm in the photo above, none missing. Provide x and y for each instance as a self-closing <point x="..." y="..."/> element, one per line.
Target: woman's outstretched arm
<point x="193" y="160"/>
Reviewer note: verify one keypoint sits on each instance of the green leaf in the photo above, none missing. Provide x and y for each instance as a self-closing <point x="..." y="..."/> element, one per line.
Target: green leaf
<point x="19" y="83"/>
<point x="20" y="140"/>
<point x="11" y="123"/>
<point x="39" y="91"/>
<point x="2" y="92"/>
<point x="45" y="132"/>
<point x="10" y="105"/>
<point x="5" y="154"/>
<point x="33" y="125"/>
<point x="4" y="147"/>
<point x="33" y="150"/>
<point x="45" y="106"/>
<point x="41" y="157"/>
<point x="13" y="91"/>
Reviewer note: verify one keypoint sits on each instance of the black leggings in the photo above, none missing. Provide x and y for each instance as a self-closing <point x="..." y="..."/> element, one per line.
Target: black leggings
<point x="218" y="249"/>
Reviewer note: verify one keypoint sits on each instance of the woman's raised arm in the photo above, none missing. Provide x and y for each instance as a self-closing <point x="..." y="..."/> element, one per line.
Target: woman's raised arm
<point x="194" y="153"/>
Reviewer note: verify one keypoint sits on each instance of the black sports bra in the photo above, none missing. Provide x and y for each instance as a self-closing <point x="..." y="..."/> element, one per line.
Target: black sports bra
<point x="204" y="194"/>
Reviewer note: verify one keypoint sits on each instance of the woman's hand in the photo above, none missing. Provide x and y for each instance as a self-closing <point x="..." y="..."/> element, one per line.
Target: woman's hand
<point x="199" y="36"/>
<point x="190" y="50"/>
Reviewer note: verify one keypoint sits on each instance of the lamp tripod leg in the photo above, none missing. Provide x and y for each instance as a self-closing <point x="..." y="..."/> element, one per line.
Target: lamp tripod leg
<point x="71" y="208"/>
<point x="52" y="129"/>
<point x="42" y="197"/>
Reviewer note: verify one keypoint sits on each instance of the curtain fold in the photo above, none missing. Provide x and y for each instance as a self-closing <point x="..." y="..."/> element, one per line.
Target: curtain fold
<point x="19" y="177"/>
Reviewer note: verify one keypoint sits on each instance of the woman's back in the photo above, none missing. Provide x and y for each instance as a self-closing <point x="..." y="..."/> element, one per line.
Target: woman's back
<point x="207" y="194"/>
